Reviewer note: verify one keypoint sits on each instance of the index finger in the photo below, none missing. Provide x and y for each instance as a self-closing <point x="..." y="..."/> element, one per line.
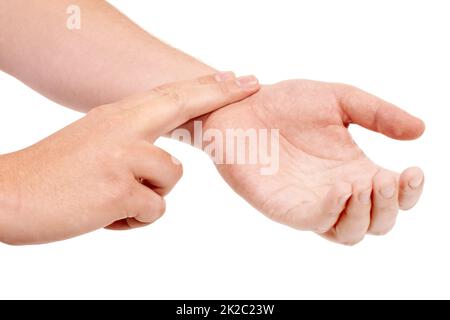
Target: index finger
<point x="170" y="106"/>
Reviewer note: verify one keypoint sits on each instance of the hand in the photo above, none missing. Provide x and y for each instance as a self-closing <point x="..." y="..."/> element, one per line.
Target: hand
<point x="103" y="170"/>
<point x="325" y="183"/>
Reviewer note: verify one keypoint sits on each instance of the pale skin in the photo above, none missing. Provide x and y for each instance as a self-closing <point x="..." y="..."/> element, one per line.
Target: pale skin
<point x="325" y="183"/>
<point x="89" y="175"/>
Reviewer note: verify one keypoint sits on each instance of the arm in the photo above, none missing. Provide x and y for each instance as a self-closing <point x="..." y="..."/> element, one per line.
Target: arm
<point x="322" y="172"/>
<point x="108" y="58"/>
<point x="87" y="176"/>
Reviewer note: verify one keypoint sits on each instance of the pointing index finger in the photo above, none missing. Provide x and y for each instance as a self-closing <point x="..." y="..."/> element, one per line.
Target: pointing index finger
<point x="172" y="105"/>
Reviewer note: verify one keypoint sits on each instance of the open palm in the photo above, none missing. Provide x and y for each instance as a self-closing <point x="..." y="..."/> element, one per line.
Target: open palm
<point x="325" y="183"/>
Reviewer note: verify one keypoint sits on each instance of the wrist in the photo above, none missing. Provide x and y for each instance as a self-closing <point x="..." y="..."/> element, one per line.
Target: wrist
<point x="191" y="132"/>
<point x="203" y="131"/>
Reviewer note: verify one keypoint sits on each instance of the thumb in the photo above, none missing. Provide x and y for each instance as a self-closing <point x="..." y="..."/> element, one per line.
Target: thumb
<point x="169" y="106"/>
<point x="377" y="115"/>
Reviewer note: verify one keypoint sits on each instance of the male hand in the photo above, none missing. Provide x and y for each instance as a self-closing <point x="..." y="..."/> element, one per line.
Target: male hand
<point x="104" y="170"/>
<point x="325" y="183"/>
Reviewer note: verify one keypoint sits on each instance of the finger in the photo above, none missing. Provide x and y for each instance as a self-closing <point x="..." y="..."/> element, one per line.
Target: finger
<point x="377" y="115"/>
<point x="213" y="78"/>
<point x="355" y="220"/>
<point x="333" y="206"/>
<point x="384" y="203"/>
<point x="144" y="98"/>
<point x="411" y="187"/>
<point x="172" y="105"/>
<point x="156" y="168"/>
<point x="321" y="215"/>
<point x="145" y="207"/>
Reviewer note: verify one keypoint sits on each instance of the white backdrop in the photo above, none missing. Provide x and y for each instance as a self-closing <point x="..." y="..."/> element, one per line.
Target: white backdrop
<point x="211" y="243"/>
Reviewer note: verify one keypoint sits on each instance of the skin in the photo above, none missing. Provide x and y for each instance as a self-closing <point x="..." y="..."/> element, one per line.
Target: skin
<point x="325" y="184"/>
<point x="319" y="161"/>
<point x="89" y="176"/>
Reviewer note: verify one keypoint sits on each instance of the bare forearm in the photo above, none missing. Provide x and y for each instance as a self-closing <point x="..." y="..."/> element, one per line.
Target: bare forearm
<point x="108" y="58"/>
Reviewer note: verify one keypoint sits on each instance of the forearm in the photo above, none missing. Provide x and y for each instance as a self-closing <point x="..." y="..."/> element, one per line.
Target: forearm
<point x="108" y="58"/>
<point x="9" y="194"/>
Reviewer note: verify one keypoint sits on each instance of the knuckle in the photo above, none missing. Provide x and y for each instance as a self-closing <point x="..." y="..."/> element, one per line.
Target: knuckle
<point x="119" y="190"/>
<point x="346" y="88"/>
<point x="207" y="79"/>
<point x="106" y="118"/>
<point x="346" y="93"/>
<point x="111" y="178"/>
<point x="173" y="94"/>
<point x="117" y="155"/>
<point x="224" y="88"/>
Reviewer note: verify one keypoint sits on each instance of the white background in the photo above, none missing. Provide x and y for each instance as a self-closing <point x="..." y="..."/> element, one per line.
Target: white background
<point x="211" y="243"/>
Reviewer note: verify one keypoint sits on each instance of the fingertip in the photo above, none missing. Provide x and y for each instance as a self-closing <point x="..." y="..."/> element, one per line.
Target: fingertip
<point x="421" y="127"/>
<point x="411" y="187"/>
<point x="414" y="129"/>
<point x="412" y="178"/>
<point x="401" y="125"/>
<point x="385" y="203"/>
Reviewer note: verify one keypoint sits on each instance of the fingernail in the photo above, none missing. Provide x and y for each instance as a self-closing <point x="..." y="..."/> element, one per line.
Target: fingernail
<point x="416" y="182"/>
<point x="388" y="192"/>
<point x="343" y="199"/>
<point x="247" y="82"/>
<point x="364" y="197"/>
<point x="224" y="76"/>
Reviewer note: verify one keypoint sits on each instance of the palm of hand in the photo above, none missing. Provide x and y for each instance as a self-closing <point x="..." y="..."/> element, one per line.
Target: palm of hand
<point x="319" y="163"/>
